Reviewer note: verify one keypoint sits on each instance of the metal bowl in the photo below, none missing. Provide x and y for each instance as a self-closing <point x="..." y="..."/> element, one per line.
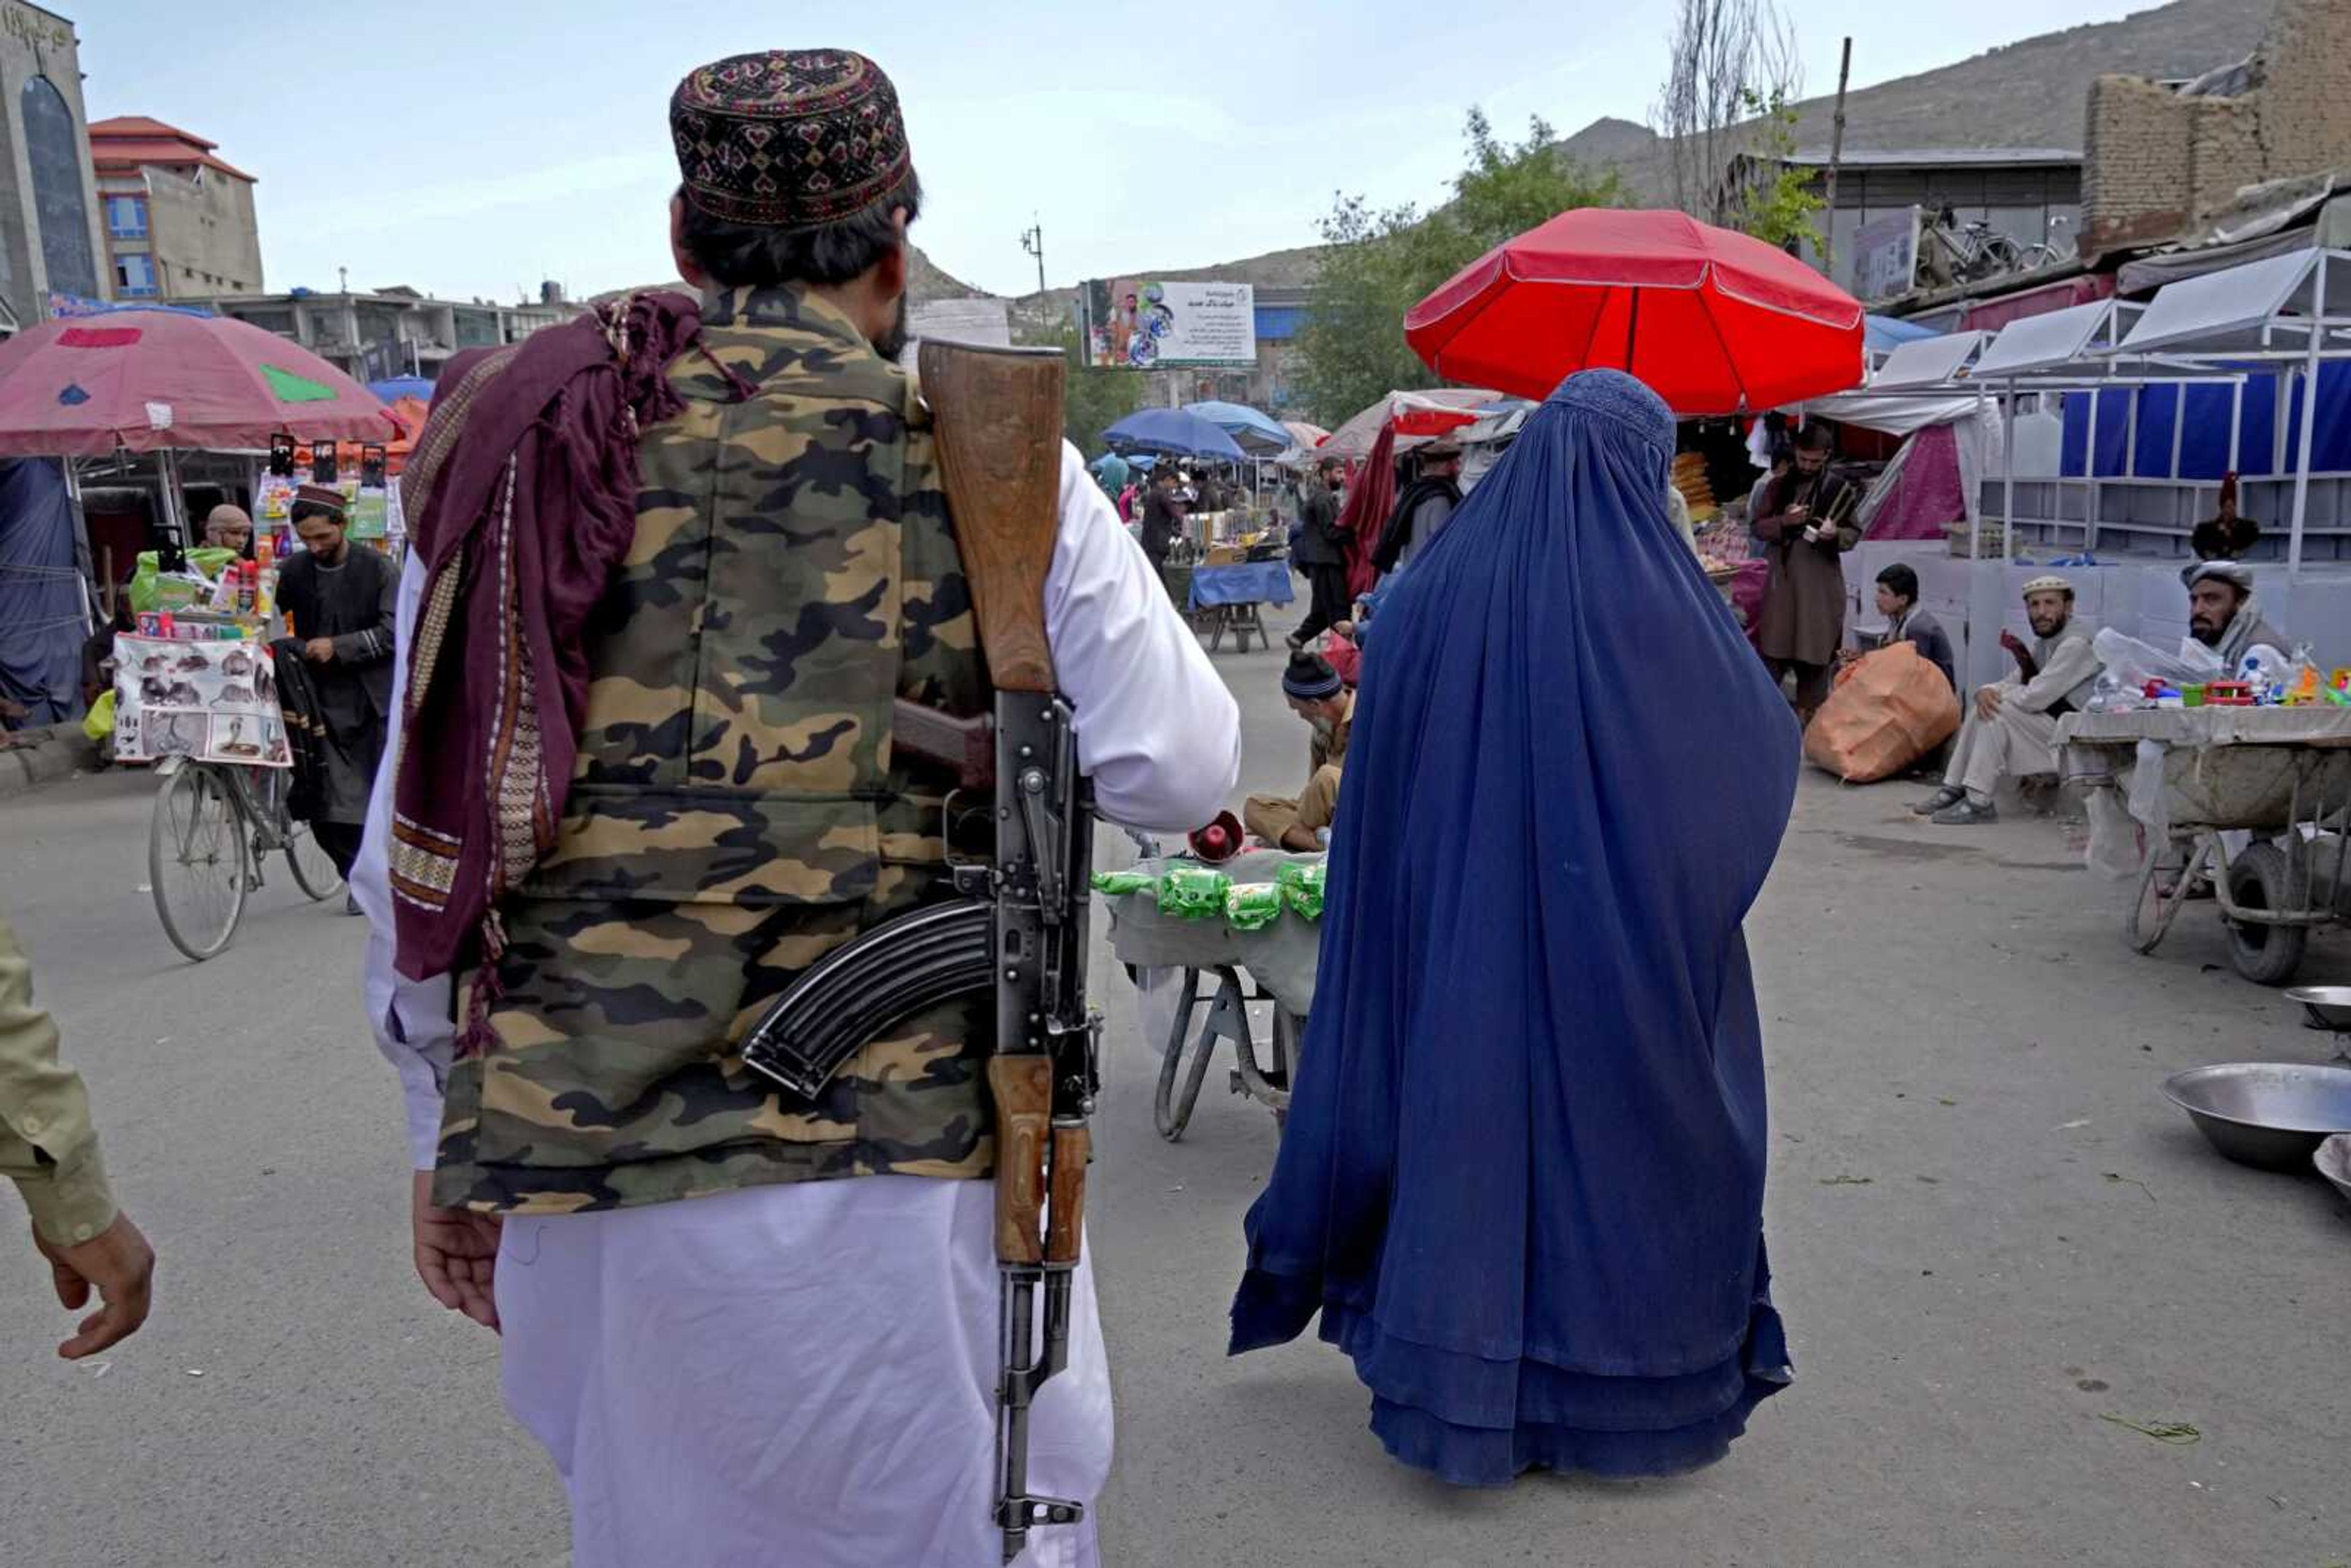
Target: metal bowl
<point x="2273" y="1114"/>
<point x="2327" y="1007"/>
<point x="2333" y="1162"/>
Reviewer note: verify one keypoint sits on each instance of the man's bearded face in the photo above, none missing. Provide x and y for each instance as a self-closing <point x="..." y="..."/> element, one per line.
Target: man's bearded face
<point x="2211" y="605"/>
<point x="2048" y="610"/>
<point x="1809" y="461"/>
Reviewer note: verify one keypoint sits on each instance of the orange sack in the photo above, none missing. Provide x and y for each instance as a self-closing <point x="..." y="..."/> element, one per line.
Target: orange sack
<point x="1889" y="709"/>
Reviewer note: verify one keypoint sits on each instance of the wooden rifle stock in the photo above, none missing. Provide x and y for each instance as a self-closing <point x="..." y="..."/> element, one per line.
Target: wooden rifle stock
<point x="1023" y="1087"/>
<point x="1004" y="488"/>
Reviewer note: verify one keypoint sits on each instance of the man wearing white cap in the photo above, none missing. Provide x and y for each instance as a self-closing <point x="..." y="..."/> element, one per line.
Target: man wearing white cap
<point x="2224" y="614"/>
<point x="2011" y="727"/>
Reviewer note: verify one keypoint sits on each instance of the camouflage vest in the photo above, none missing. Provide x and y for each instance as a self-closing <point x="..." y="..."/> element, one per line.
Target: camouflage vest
<point x="735" y="812"/>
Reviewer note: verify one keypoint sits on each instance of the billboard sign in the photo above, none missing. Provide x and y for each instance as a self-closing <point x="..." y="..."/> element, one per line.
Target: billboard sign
<point x="1886" y="256"/>
<point x="1140" y="324"/>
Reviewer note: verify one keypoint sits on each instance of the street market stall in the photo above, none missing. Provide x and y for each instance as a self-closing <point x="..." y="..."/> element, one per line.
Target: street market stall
<point x="1713" y="321"/>
<point x="2196" y="778"/>
<point x="1251" y="927"/>
<point x="1216" y="572"/>
<point x="195" y="689"/>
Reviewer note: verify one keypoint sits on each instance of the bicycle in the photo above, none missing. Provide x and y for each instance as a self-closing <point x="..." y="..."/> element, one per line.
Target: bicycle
<point x="213" y="824"/>
<point x="1975" y="250"/>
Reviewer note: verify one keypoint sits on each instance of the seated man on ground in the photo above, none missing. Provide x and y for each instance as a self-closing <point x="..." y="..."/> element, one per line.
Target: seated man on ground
<point x="1317" y="695"/>
<point x="1897" y="601"/>
<point x="2009" y="730"/>
<point x="2224" y="615"/>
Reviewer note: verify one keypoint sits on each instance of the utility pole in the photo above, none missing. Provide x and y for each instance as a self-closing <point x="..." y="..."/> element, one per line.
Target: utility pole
<point x="1032" y="240"/>
<point x="1836" y="156"/>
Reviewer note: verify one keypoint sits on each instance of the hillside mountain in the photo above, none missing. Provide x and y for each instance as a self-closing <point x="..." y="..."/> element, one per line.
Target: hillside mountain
<point x="2031" y="93"/>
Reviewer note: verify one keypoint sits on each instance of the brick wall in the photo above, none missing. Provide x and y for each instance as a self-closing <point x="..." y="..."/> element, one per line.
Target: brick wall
<point x="2137" y="164"/>
<point x="2159" y="165"/>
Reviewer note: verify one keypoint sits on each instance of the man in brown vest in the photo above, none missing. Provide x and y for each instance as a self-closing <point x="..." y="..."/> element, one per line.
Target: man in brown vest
<point x="749" y="1327"/>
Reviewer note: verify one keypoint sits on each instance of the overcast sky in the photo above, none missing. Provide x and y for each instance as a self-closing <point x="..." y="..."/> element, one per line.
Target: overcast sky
<point x="475" y="148"/>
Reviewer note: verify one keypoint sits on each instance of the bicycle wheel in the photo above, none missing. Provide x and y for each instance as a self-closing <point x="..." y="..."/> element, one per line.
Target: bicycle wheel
<point x="196" y="862"/>
<point x="314" y="868"/>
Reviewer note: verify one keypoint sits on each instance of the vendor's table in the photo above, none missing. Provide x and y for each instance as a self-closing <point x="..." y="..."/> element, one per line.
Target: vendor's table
<point x="2193" y="778"/>
<point x="1275" y="965"/>
<point x="1227" y="599"/>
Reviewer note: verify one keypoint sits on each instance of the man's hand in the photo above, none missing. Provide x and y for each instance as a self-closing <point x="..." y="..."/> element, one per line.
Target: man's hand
<point x="120" y="1264"/>
<point x="457" y="1254"/>
<point x="1988" y="704"/>
<point x="319" y="650"/>
<point x="1798" y="513"/>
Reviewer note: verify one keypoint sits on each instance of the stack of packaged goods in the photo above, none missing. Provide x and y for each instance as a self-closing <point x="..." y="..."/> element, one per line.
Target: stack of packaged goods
<point x="1689" y="478"/>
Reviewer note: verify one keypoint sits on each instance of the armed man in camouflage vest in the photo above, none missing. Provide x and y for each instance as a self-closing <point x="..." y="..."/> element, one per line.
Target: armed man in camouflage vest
<point x="792" y="1367"/>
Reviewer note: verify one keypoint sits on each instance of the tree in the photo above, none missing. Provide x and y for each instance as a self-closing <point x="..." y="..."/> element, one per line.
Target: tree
<point x="1377" y="263"/>
<point x="1095" y="399"/>
<point x="1772" y="198"/>
<point x="1725" y="113"/>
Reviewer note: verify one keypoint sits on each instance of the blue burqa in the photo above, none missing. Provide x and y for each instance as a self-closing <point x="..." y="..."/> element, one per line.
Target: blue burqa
<point x="1522" y="1179"/>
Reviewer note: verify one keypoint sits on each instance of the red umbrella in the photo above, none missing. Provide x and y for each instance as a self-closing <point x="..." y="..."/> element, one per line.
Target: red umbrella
<point x="156" y="381"/>
<point x="1715" y="322"/>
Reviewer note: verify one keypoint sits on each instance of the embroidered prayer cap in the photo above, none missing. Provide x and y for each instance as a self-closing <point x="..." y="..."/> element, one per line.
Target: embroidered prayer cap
<point x="2048" y="584"/>
<point x="321" y="496"/>
<point x="790" y="137"/>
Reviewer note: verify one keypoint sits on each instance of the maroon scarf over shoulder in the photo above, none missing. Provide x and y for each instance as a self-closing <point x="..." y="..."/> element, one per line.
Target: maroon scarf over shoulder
<point x="523" y="500"/>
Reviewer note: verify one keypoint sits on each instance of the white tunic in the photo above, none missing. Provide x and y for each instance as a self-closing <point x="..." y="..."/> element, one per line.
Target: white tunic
<point x="804" y="1374"/>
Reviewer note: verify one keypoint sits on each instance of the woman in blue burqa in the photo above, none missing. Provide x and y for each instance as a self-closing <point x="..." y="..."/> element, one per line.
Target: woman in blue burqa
<point x="1522" y="1180"/>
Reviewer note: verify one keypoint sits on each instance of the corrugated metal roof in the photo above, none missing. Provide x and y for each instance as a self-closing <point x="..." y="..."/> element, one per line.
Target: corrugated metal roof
<point x="1935" y="157"/>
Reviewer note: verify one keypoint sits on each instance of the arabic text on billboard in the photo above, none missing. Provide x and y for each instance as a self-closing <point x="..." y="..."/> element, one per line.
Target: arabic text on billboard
<point x="1134" y="323"/>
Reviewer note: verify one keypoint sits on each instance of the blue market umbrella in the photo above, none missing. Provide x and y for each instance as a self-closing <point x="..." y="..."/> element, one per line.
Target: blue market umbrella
<point x="1254" y="432"/>
<point x="1171" y="429"/>
<point x="398" y="387"/>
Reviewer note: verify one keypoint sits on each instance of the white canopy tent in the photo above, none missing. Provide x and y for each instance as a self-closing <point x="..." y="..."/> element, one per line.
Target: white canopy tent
<point x="2294" y="309"/>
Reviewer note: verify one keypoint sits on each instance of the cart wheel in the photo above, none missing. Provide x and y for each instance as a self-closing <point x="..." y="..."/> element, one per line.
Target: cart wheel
<point x="2263" y="878"/>
<point x="1166" y="1114"/>
<point x="2152" y="910"/>
<point x="196" y="862"/>
<point x="1171" y="1113"/>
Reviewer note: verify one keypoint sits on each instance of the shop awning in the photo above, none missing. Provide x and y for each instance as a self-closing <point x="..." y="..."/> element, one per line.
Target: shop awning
<point x="2056" y="340"/>
<point x="2246" y="308"/>
<point x="1928" y="361"/>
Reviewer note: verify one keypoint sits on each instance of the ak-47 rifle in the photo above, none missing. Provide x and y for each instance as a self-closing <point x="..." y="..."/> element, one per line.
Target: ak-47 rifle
<point x="1020" y="928"/>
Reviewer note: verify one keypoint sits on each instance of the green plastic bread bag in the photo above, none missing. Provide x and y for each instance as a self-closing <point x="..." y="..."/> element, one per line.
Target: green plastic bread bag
<point x="142" y="582"/>
<point x="1116" y="883"/>
<point x="1302" y="886"/>
<point x="1193" y="892"/>
<point x="1253" y="906"/>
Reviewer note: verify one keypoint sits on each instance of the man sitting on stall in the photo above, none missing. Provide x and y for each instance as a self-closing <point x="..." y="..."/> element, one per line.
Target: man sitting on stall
<point x="1897" y="601"/>
<point x="229" y="527"/>
<point x="2010" y="729"/>
<point x="1318" y="696"/>
<point x="2224" y="615"/>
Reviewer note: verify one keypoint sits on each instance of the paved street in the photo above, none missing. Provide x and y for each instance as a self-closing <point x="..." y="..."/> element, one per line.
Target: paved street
<point x="1988" y="1230"/>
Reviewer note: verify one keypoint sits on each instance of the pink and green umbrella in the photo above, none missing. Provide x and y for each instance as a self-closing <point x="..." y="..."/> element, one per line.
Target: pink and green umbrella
<point x="165" y="380"/>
